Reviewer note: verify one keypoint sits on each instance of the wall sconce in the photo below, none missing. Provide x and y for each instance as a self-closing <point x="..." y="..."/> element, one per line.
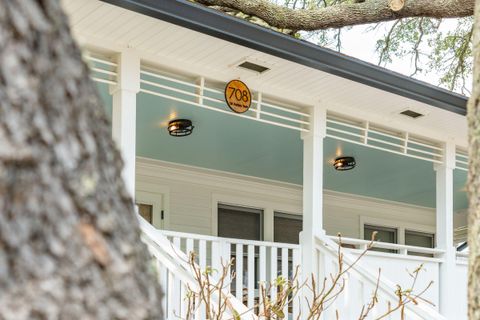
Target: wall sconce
<point x="344" y="163"/>
<point x="180" y="127"/>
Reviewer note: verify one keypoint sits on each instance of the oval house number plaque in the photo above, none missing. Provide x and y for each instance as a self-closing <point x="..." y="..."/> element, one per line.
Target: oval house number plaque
<point x="238" y="96"/>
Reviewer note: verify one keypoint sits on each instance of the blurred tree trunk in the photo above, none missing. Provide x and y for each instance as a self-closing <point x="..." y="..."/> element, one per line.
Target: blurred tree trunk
<point x="69" y="241"/>
<point x="474" y="178"/>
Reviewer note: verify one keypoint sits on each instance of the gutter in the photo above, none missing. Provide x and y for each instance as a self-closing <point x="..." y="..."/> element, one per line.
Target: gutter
<point x="214" y="23"/>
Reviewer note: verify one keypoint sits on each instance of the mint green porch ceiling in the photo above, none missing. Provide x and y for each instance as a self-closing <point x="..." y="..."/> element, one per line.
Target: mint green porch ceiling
<point x="229" y="143"/>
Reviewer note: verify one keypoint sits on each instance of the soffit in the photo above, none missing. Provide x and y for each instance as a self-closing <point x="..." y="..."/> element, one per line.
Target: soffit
<point x="101" y="25"/>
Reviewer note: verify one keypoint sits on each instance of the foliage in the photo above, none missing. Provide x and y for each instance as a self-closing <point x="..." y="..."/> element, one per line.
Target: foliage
<point x="434" y="48"/>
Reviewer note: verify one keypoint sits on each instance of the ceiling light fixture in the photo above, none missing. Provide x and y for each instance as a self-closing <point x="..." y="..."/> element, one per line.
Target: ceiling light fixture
<point x="180" y="127"/>
<point x="344" y="163"/>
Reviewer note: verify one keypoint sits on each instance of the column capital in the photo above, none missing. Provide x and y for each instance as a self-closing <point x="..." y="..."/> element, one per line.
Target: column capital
<point x="128" y="70"/>
<point x="318" y="123"/>
<point x="449" y="157"/>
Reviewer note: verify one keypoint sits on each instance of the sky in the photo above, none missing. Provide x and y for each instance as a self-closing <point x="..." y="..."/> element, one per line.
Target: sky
<point x="360" y="43"/>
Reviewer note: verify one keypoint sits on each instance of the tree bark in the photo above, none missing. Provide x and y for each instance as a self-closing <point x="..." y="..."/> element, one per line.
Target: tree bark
<point x="69" y="239"/>
<point x="473" y="117"/>
<point x="345" y="14"/>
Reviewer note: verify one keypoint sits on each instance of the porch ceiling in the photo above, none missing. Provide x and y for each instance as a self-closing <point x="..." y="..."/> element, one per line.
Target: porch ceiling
<point x="100" y="25"/>
<point x="247" y="147"/>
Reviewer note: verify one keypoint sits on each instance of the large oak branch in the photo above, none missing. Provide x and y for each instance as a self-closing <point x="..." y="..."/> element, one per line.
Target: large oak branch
<point x="346" y="14"/>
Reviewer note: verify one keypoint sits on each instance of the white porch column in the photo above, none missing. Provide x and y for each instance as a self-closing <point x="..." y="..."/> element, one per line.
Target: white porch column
<point x="124" y="112"/>
<point x="312" y="189"/>
<point x="444" y="231"/>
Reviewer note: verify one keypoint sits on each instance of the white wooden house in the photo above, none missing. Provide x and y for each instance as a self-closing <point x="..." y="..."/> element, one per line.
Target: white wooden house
<point x="245" y="185"/>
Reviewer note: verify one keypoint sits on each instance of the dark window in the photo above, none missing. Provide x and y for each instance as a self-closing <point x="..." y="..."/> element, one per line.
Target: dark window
<point x="146" y="211"/>
<point x="286" y="228"/>
<point x="239" y="222"/>
<point x="419" y="239"/>
<point x="384" y="234"/>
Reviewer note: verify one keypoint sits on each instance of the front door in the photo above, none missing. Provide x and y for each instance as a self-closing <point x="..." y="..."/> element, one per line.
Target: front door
<point x="151" y="207"/>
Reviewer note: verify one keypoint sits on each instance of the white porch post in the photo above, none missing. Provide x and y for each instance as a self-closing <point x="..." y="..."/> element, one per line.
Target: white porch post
<point x="312" y="190"/>
<point x="124" y="112"/>
<point x="444" y="231"/>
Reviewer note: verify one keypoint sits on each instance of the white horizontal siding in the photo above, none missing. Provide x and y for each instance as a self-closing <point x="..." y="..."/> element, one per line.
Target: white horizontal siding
<point x="193" y="191"/>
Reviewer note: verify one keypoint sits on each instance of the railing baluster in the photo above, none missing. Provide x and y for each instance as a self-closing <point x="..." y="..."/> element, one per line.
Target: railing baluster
<point x="262" y="272"/>
<point x="178" y="243"/>
<point x="216" y="255"/>
<point x="251" y="276"/>
<point x="183" y="303"/>
<point x="239" y="271"/>
<point x="285" y="273"/>
<point x="163" y="280"/>
<point x="226" y="263"/>
<point x="171" y="296"/>
<point x="296" y="301"/>
<point x="273" y="272"/>
<point x="189" y="246"/>
<point x="202" y="262"/>
<point x="202" y="254"/>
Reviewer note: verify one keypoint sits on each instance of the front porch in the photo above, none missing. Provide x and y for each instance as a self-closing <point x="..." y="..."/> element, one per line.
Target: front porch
<point x="244" y="187"/>
<point x="260" y="186"/>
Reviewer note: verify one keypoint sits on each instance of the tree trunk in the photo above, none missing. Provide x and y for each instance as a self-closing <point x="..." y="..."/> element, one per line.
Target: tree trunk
<point x="69" y="239"/>
<point x="473" y="117"/>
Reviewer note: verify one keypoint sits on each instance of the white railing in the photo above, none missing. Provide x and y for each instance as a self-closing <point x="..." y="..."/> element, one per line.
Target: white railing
<point x="461" y="159"/>
<point x="176" y="278"/>
<point x="380" y="138"/>
<point x="258" y="261"/>
<point x="254" y="262"/>
<point x="392" y="249"/>
<point x="360" y="282"/>
<point x="201" y="93"/>
<point x="103" y="69"/>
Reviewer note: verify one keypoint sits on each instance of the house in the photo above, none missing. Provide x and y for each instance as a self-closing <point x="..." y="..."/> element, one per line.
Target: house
<point x="242" y="179"/>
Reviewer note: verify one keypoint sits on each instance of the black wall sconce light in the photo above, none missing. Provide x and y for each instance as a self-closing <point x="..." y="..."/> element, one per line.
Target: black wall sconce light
<point x="180" y="127"/>
<point x="344" y="163"/>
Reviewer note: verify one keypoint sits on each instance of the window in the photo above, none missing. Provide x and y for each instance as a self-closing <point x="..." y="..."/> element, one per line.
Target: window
<point x="286" y="227"/>
<point x="384" y="234"/>
<point x="146" y="211"/>
<point x="240" y="222"/>
<point x="420" y="239"/>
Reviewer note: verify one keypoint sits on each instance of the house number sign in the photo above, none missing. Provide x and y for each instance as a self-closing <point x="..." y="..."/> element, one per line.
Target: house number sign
<point x="238" y="96"/>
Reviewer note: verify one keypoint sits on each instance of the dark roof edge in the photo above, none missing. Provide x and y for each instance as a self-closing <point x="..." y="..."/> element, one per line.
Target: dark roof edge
<point x="217" y="24"/>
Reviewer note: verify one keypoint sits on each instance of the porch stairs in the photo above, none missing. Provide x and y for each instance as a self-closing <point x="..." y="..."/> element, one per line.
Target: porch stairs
<point x="175" y="276"/>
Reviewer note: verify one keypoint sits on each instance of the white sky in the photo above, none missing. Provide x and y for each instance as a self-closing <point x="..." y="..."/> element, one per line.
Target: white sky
<point x="360" y="43"/>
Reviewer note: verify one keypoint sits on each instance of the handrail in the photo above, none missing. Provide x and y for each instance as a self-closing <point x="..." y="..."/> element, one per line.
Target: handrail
<point x="386" y="287"/>
<point x="385" y="245"/>
<point x="177" y="262"/>
<point x="229" y="240"/>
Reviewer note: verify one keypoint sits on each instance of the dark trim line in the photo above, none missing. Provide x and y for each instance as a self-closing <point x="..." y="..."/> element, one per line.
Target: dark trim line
<point x="217" y="24"/>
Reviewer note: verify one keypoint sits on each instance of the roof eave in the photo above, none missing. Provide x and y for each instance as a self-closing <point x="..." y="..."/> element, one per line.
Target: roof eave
<point x="217" y="24"/>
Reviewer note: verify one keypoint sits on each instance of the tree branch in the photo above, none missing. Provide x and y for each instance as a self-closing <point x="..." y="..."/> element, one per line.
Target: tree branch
<point x="345" y="14"/>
